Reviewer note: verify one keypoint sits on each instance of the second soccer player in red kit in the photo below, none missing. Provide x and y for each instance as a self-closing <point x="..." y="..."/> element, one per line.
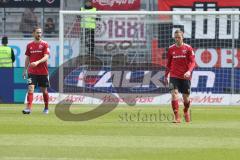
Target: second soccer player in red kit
<point x="37" y="53"/>
<point x="181" y="62"/>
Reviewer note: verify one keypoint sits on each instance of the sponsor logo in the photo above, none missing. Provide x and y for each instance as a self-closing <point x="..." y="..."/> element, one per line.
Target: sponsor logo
<point x="116" y="81"/>
<point x="179" y="56"/>
<point x="207" y="99"/>
<point x="130" y="81"/>
<point x="137" y="99"/>
<point x="39" y="98"/>
<point x="213" y="30"/>
<point x="36" y="51"/>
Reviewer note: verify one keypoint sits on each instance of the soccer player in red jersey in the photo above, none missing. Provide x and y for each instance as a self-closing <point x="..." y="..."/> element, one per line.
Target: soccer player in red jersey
<point x="37" y="53"/>
<point x="180" y="64"/>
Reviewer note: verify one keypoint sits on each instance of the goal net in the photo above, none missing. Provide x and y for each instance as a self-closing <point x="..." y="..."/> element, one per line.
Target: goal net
<point x="124" y="54"/>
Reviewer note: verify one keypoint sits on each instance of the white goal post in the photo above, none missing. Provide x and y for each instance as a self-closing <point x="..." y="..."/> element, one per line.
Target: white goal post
<point x="131" y="47"/>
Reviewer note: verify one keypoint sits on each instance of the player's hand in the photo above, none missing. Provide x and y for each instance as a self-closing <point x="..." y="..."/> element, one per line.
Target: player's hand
<point x="34" y="64"/>
<point x="187" y="75"/>
<point x="165" y="81"/>
<point x="24" y="74"/>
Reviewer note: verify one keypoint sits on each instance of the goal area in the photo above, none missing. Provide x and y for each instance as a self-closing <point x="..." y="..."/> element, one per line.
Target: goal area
<point x="123" y="53"/>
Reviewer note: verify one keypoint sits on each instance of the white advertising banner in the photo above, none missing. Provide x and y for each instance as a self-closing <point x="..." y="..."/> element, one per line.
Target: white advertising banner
<point x="121" y="28"/>
<point x="148" y="99"/>
<point x="235" y="99"/>
<point x="19" y="48"/>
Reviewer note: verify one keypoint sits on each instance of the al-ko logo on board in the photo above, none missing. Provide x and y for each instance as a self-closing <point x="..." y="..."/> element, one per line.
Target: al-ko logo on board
<point x="128" y="81"/>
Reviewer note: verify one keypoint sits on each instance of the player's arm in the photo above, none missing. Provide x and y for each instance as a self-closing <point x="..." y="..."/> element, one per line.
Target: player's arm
<point x="27" y="61"/>
<point x="168" y="66"/>
<point x="191" y="64"/>
<point x="42" y="60"/>
<point x="25" y="67"/>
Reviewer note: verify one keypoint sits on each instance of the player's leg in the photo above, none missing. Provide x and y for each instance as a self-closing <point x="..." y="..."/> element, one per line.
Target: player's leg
<point x="45" y="98"/>
<point x="173" y="86"/>
<point x="186" y="99"/>
<point x="31" y="85"/>
<point x="186" y="102"/>
<point x="43" y="83"/>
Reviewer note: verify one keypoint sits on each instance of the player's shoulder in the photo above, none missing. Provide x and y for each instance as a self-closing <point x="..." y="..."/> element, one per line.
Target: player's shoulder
<point x="30" y="43"/>
<point x="187" y="46"/>
<point x="172" y="46"/>
<point x="44" y="42"/>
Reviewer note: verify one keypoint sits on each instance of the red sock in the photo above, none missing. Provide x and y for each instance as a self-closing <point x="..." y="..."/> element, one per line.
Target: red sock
<point x="186" y="106"/>
<point x="29" y="100"/>
<point x="46" y="97"/>
<point x="175" y="106"/>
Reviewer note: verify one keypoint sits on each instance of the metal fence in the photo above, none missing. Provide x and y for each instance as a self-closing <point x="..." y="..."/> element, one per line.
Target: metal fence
<point x="130" y="39"/>
<point x="11" y="20"/>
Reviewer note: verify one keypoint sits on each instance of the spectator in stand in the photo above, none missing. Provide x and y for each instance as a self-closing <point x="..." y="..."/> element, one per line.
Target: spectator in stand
<point x="28" y="22"/>
<point x="49" y="28"/>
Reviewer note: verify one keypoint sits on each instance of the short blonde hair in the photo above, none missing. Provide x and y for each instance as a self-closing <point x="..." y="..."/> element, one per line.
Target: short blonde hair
<point x="178" y="31"/>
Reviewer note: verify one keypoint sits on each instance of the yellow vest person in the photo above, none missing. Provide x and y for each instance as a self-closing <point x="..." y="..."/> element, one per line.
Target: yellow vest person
<point x="88" y="26"/>
<point x="88" y="21"/>
<point x="6" y="54"/>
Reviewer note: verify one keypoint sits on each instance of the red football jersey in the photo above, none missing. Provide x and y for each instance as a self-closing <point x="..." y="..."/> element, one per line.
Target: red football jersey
<point x="36" y="51"/>
<point x="180" y="60"/>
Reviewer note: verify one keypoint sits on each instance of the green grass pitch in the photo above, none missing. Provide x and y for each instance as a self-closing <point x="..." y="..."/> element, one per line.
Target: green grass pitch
<point x="125" y="133"/>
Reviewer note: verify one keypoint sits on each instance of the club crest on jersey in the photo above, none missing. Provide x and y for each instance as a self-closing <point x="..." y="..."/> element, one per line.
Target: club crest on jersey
<point x="40" y="46"/>
<point x="184" y="51"/>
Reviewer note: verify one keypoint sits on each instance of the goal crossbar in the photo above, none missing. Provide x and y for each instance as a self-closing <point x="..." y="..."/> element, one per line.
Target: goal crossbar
<point x="152" y="12"/>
